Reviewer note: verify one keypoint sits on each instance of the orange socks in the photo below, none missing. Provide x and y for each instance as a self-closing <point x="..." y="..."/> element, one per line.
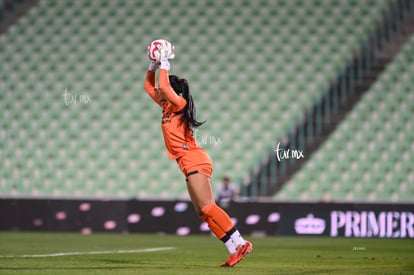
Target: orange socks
<point x="220" y="221"/>
<point x="213" y="226"/>
<point x="221" y="225"/>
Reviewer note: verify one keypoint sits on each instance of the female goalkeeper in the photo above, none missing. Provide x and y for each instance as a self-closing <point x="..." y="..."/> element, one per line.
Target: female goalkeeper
<point x="178" y="118"/>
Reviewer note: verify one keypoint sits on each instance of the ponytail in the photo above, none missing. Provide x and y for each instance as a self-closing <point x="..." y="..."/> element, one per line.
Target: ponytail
<point x="188" y="117"/>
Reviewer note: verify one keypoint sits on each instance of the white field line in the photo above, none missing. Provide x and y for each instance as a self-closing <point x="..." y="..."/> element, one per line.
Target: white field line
<point x="145" y="250"/>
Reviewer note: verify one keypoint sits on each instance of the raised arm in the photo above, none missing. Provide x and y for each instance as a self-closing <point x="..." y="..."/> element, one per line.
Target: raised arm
<point x="167" y="91"/>
<point x="149" y="86"/>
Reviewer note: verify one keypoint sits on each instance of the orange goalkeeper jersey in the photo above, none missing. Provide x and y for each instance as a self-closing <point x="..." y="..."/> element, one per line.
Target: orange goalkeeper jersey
<point x="177" y="139"/>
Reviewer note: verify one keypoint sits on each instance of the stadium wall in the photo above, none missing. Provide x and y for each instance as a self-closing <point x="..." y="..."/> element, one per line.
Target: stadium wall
<point x="361" y="220"/>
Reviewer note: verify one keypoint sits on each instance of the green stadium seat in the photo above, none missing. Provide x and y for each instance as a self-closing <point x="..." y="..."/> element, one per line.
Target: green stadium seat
<point x="252" y="73"/>
<point x="373" y="157"/>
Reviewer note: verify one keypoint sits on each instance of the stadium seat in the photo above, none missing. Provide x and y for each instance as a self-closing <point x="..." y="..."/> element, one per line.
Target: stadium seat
<point x="375" y="163"/>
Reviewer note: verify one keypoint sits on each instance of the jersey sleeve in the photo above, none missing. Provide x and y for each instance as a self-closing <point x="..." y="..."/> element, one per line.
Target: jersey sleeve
<point x="167" y="91"/>
<point x="149" y="86"/>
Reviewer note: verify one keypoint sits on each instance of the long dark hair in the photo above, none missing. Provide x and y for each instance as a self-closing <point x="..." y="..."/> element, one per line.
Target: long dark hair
<point x="180" y="86"/>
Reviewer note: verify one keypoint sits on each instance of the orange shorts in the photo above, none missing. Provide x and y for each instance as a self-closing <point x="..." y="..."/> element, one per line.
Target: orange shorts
<point x="196" y="161"/>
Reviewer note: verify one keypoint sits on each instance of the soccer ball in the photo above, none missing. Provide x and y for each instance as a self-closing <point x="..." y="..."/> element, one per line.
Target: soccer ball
<point x="153" y="52"/>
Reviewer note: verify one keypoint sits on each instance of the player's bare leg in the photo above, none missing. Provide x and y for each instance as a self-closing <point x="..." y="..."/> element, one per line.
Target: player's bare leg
<point x="200" y="191"/>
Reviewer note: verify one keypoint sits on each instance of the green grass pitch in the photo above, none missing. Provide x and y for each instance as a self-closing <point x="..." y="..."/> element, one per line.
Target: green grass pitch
<point x="69" y="253"/>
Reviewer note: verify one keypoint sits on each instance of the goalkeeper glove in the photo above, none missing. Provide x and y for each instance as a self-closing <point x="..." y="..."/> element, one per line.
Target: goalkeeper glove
<point x="153" y="66"/>
<point x="165" y="63"/>
<point x="165" y="54"/>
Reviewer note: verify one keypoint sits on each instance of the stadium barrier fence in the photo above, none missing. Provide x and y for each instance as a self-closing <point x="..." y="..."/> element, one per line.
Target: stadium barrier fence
<point x="258" y="218"/>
